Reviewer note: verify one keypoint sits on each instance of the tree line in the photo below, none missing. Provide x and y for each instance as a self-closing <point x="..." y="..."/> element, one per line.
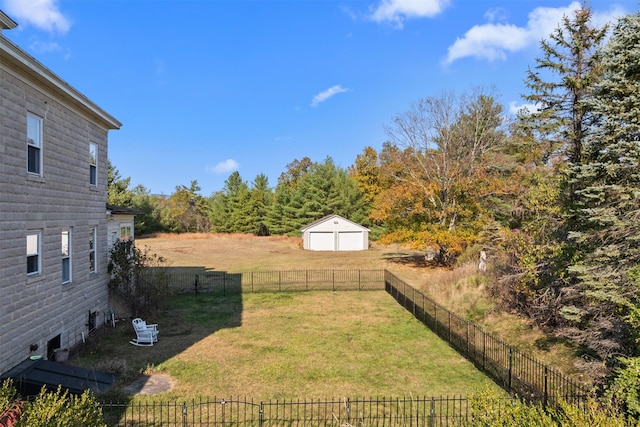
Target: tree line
<point x="305" y="192"/>
<point x="552" y="195"/>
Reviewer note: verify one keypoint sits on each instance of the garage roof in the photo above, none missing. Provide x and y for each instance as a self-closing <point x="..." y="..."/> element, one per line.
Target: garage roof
<point x="328" y="218"/>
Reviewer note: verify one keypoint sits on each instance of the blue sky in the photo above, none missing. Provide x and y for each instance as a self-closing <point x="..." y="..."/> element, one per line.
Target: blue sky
<point x="207" y="87"/>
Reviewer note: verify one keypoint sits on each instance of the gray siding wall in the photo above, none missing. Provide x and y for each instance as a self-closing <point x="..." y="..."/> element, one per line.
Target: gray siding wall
<point x="37" y="308"/>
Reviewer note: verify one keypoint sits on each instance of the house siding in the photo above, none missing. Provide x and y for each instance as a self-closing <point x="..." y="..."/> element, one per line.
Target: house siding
<point x="39" y="307"/>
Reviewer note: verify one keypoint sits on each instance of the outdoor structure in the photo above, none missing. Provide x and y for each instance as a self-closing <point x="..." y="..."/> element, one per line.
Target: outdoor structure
<point x="53" y="193"/>
<point x="335" y="233"/>
<point x="120" y="222"/>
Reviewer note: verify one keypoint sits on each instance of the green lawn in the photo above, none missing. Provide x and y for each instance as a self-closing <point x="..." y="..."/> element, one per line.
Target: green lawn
<point x="291" y="345"/>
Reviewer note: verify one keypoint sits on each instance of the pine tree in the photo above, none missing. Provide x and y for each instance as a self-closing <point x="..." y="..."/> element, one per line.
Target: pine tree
<point x="322" y="189"/>
<point x="561" y="84"/>
<point x="607" y="209"/>
<point x="260" y="199"/>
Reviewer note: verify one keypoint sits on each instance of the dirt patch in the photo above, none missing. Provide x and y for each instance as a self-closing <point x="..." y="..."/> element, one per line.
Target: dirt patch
<point x="149" y="384"/>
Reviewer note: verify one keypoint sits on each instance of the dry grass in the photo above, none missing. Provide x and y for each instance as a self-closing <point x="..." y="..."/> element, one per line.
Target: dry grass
<point x="239" y="253"/>
<point x="460" y="289"/>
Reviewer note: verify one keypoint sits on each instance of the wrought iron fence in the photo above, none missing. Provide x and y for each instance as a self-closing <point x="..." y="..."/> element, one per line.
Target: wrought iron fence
<point x="365" y="412"/>
<point x="274" y="281"/>
<point x="515" y="371"/>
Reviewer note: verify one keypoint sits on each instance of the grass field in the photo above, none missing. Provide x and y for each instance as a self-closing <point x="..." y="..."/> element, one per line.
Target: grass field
<point x="460" y="289"/>
<point x="305" y="345"/>
<point x="291" y="345"/>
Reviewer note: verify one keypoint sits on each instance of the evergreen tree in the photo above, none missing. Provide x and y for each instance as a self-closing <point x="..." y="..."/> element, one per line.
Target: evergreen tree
<point x="149" y="220"/>
<point x="605" y="309"/>
<point x="260" y="199"/>
<point x="231" y="207"/>
<point x="117" y="187"/>
<point x="322" y="189"/>
<point x="561" y="84"/>
<point x="282" y="216"/>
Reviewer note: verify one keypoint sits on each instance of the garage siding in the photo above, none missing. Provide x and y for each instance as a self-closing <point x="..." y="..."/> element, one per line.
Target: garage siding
<point x="334" y="233"/>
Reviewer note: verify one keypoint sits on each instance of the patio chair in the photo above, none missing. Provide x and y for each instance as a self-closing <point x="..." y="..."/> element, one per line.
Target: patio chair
<point x="146" y="333"/>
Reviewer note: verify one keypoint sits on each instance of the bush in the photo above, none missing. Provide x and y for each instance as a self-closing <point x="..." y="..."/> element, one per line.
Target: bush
<point x="492" y="410"/>
<point x="139" y="276"/>
<point x="57" y="408"/>
<point x="61" y="409"/>
<point x="8" y="394"/>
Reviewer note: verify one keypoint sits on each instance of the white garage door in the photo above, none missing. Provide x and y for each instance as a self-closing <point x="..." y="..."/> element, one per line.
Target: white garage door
<point x="321" y="241"/>
<point x="350" y="241"/>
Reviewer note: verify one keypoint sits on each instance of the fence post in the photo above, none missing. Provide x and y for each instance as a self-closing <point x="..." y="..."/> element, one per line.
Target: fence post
<point x="348" y="410"/>
<point x="184" y="414"/>
<point x="546" y="385"/>
<point x="467" y="323"/>
<point x="333" y="280"/>
<point x="432" y="413"/>
<point x="510" y="368"/>
<point x="413" y="301"/>
<point x="484" y="349"/>
<point x="435" y="317"/>
<point x="261" y="415"/>
<point x="359" y="289"/>
<point x="306" y="280"/>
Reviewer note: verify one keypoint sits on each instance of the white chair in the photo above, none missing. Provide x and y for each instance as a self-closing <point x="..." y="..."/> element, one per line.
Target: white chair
<point x="146" y="333"/>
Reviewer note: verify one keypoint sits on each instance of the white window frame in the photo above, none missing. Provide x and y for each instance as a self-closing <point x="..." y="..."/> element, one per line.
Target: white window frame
<point x="34" y="144"/>
<point x="124" y="235"/>
<point x="34" y="249"/>
<point x="93" y="164"/>
<point x="66" y="251"/>
<point x="92" y="249"/>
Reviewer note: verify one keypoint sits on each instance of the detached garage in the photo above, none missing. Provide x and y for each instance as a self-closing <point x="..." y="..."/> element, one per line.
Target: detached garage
<point x="334" y="233"/>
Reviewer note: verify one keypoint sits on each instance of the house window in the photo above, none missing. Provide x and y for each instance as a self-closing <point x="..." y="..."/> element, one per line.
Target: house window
<point x="34" y="144"/>
<point x="125" y="232"/>
<point x="93" y="164"/>
<point x="34" y="248"/>
<point x="66" y="255"/>
<point x="92" y="250"/>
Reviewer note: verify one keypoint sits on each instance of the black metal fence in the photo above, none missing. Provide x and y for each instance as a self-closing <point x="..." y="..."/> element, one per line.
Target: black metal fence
<point x="382" y="412"/>
<point x="515" y="371"/>
<point x="272" y="281"/>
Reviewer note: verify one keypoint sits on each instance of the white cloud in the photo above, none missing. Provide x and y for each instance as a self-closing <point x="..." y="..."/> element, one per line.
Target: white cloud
<point x="43" y="14"/>
<point x="44" y="47"/>
<point x="489" y="41"/>
<point x="396" y="11"/>
<point x="522" y="109"/>
<point x="226" y="166"/>
<point x="323" y="96"/>
<point x="495" y="14"/>
<point x="494" y="41"/>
